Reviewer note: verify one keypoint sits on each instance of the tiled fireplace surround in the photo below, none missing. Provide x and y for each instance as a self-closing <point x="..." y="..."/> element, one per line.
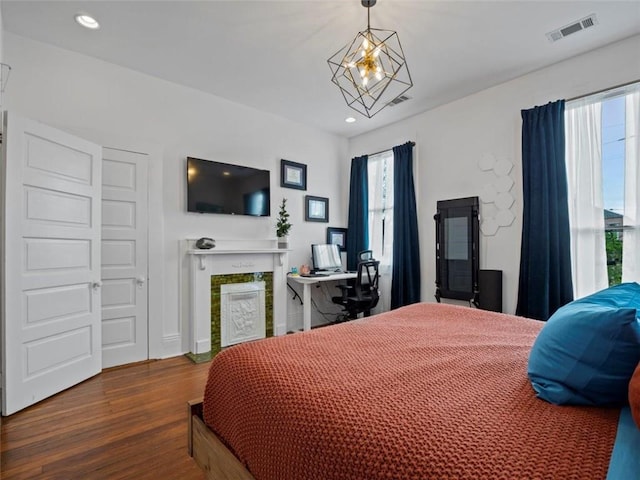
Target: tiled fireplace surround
<point x="233" y="262"/>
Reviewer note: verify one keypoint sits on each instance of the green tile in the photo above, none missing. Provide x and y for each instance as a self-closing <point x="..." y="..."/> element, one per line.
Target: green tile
<point x="199" y="357"/>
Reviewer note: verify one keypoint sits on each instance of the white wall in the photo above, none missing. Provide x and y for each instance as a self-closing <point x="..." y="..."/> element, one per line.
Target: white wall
<point x="1" y="36"/>
<point x="118" y="107"/>
<point x="452" y="138"/>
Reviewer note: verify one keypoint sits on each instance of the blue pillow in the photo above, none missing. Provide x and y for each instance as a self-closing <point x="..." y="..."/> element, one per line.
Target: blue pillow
<point x="587" y="351"/>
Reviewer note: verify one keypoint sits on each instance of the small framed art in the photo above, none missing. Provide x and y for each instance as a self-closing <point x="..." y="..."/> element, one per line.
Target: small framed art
<point x="293" y="175"/>
<point x="337" y="236"/>
<point x="316" y="209"/>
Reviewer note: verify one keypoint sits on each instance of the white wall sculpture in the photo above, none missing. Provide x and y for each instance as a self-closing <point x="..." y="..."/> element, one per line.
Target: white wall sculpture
<point x="496" y="196"/>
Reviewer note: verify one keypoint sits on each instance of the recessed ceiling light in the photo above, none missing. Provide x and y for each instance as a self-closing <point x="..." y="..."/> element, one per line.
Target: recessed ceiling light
<point x="87" y="21"/>
<point x="349" y="119"/>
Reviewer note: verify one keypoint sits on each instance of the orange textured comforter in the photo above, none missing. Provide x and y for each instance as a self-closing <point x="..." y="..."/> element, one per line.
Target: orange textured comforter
<point x="428" y="391"/>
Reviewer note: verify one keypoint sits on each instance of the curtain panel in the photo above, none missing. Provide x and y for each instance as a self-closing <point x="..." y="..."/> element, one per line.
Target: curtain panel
<point x="545" y="259"/>
<point x="586" y="204"/>
<point x="631" y="241"/>
<point x="405" y="277"/>
<point x="381" y="221"/>
<point x="357" y="227"/>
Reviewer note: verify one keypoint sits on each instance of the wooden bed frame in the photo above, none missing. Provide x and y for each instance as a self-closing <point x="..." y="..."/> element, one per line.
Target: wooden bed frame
<point x="212" y="456"/>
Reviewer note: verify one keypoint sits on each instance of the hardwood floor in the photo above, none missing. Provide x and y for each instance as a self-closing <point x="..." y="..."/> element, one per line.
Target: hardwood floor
<point x="125" y="423"/>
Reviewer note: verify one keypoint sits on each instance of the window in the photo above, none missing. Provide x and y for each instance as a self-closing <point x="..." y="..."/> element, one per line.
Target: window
<point x="380" y="176"/>
<point x="603" y="176"/>
<point x="380" y="171"/>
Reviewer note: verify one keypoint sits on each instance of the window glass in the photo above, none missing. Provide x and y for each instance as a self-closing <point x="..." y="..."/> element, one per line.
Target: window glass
<point x="613" y="155"/>
<point x="380" y="171"/>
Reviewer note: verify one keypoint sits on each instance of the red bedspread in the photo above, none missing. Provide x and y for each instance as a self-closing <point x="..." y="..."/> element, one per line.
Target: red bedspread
<point x="428" y="391"/>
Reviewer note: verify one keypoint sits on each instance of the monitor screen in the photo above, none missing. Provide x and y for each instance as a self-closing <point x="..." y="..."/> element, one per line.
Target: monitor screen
<point x="326" y="257"/>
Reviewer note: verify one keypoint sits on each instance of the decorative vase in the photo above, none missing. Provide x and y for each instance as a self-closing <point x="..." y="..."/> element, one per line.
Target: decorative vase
<point x="283" y="242"/>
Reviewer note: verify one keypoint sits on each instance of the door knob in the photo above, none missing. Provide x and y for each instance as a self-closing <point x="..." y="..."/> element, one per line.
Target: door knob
<point x="140" y="280"/>
<point x="96" y="285"/>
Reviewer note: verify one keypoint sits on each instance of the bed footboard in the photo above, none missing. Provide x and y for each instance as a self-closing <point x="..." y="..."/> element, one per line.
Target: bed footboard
<point x="211" y="455"/>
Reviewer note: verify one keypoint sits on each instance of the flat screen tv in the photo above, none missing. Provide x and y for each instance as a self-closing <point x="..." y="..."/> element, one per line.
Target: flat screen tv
<point x="215" y="187"/>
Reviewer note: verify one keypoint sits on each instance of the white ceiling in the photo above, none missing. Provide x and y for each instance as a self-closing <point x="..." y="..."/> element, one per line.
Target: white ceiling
<point x="271" y="55"/>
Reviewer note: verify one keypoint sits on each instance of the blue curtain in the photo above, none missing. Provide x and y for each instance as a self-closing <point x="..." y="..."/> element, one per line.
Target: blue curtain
<point x="545" y="259"/>
<point x="358" y="226"/>
<point x="405" y="276"/>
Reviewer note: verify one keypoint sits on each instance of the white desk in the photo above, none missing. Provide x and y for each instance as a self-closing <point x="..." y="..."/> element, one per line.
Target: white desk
<point x="306" y="291"/>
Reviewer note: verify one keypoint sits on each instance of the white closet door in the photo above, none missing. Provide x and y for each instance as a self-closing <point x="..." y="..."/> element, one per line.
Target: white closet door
<point x="51" y="271"/>
<point x="124" y="257"/>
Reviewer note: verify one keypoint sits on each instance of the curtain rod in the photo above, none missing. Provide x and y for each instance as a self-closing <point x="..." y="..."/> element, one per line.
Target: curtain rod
<point x="413" y="144"/>
<point x="603" y="90"/>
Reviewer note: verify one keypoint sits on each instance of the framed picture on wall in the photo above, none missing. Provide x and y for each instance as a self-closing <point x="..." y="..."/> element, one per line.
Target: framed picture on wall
<point x="337" y="236"/>
<point x="293" y="175"/>
<point x="316" y="209"/>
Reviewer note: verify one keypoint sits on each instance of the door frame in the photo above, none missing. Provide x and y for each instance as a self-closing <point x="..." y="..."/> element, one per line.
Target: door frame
<point x="160" y="345"/>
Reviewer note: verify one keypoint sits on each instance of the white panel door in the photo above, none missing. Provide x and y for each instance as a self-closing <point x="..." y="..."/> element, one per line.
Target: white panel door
<point x="51" y="262"/>
<point x="124" y="257"/>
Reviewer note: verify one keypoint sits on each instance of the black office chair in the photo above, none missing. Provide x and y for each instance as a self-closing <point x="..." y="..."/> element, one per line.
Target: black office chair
<point x="365" y="255"/>
<point x="363" y="296"/>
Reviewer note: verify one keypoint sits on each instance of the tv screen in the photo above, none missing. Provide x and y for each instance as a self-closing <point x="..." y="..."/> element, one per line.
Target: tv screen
<point x="215" y="187"/>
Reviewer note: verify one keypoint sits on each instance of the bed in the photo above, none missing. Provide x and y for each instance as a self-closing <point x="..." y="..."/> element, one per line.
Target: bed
<point x="428" y="391"/>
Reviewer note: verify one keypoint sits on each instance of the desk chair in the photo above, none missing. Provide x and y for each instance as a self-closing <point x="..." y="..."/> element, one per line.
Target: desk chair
<point x="365" y="255"/>
<point x="364" y="294"/>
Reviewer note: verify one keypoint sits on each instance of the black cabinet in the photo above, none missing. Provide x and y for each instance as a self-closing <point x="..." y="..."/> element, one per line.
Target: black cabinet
<point x="490" y="290"/>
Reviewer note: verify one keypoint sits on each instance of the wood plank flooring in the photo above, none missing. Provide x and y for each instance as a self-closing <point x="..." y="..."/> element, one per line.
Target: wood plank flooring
<point x="125" y="423"/>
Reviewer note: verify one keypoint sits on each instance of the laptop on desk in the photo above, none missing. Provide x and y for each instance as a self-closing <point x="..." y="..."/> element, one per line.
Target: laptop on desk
<point x="315" y="274"/>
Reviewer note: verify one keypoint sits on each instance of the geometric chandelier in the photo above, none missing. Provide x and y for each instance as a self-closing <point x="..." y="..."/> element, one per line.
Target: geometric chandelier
<point x="371" y="72"/>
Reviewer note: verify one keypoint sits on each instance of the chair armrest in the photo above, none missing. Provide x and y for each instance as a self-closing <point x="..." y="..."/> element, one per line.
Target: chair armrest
<point x="345" y="290"/>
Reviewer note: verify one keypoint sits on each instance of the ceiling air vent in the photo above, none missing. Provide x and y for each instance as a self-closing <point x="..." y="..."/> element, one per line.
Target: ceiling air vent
<point x="574" y="27"/>
<point x="397" y="100"/>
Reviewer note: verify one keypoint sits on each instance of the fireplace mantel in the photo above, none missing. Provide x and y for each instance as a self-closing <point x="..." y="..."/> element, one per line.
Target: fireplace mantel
<point x="226" y="260"/>
<point x="203" y="253"/>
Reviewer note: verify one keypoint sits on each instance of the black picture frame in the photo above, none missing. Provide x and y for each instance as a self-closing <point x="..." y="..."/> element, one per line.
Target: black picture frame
<point x="316" y="209"/>
<point x="337" y="236"/>
<point x="293" y="175"/>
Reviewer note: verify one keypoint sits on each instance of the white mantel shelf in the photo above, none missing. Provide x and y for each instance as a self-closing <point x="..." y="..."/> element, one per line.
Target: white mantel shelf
<point x="201" y="253"/>
<point x="214" y="251"/>
<point x="222" y="261"/>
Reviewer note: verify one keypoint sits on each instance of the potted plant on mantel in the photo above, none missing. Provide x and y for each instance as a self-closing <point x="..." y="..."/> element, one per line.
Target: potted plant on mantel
<point x="283" y="226"/>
